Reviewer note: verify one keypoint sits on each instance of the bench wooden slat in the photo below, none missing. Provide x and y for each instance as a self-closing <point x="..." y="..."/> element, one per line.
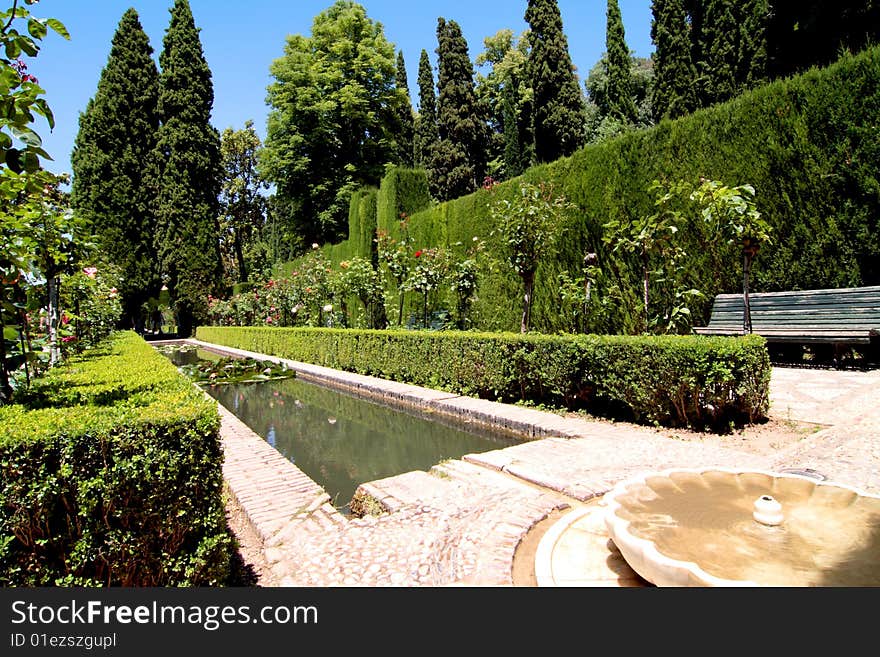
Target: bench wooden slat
<point x="846" y="316"/>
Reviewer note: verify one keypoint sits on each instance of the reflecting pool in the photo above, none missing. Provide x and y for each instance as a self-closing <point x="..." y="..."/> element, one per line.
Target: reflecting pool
<point x="341" y="440"/>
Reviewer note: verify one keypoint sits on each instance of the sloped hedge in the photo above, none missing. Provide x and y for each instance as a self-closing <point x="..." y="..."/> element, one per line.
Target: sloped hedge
<point x="111" y="475"/>
<point x="671" y="380"/>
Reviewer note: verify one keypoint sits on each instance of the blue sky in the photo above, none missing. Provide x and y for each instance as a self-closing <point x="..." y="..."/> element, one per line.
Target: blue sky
<point x="241" y="38"/>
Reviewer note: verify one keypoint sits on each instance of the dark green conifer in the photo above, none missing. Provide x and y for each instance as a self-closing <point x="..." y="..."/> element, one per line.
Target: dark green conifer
<point x="405" y="132"/>
<point x="117" y="134"/>
<point x="752" y="63"/>
<point x="188" y="173"/>
<point x="720" y="54"/>
<point x="558" y="119"/>
<point x="426" y="121"/>
<point x="621" y="105"/>
<point x="458" y="163"/>
<point x="674" y="74"/>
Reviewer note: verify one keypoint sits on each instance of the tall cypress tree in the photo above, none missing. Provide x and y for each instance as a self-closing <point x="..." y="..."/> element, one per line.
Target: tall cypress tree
<point x="189" y="173"/>
<point x="674" y="74"/>
<point x="405" y="133"/>
<point x="458" y="163"/>
<point x="110" y="190"/>
<point x="426" y="122"/>
<point x="621" y="105"/>
<point x="719" y="51"/>
<point x="753" y="20"/>
<point x="733" y="48"/>
<point x="558" y="119"/>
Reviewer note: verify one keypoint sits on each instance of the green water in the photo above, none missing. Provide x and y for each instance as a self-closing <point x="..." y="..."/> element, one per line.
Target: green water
<point x="342" y="441"/>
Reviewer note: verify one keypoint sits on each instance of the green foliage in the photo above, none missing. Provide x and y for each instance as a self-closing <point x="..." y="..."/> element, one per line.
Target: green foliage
<point x="672" y="94"/>
<point x="331" y="128"/>
<point x="558" y="110"/>
<point x="655" y="241"/>
<point x="188" y="173"/>
<point x="808" y="145"/>
<point x="358" y="278"/>
<point x="426" y="135"/>
<point x="620" y="84"/>
<point x="529" y="227"/>
<point x="112" y="187"/>
<point x="672" y="380"/>
<point x="228" y="371"/>
<point x="20" y="145"/>
<point x="458" y="160"/>
<point x="507" y="99"/>
<point x="733" y="49"/>
<point x="242" y="204"/>
<point x="406" y="119"/>
<point x="111" y="476"/>
<point x="601" y="123"/>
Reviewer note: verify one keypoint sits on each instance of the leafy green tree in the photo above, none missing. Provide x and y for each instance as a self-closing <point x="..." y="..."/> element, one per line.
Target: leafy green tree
<point x="406" y="119"/>
<point x="558" y="116"/>
<point x="654" y="240"/>
<point x="507" y="101"/>
<point x="529" y="226"/>
<point x="357" y="277"/>
<point x="426" y="135"/>
<point x="601" y="124"/>
<point x="242" y="204"/>
<point x="458" y="164"/>
<point x="620" y="84"/>
<point x="23" y="184"/>
<point x="731" y="213"/>
<point x="672" y="94"/>
<point x="188" y="173"/>
<point x="331" y="127"/>
<point x="112" y="189"/>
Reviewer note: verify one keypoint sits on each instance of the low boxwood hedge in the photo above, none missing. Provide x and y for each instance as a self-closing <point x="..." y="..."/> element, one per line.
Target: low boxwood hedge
<point x="112" y="476"/>
<point x="695" y="381"/>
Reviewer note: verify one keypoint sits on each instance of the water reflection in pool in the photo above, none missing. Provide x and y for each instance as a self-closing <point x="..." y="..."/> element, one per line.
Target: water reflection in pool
<point x="342" y="441"/>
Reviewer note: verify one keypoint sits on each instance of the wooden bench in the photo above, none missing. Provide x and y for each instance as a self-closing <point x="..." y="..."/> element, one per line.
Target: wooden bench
<point x="838" y="318"/>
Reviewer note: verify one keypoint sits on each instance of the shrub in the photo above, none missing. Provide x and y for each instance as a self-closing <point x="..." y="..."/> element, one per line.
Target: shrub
<point x="112" y="476"/>
<point x="672" y="380"/>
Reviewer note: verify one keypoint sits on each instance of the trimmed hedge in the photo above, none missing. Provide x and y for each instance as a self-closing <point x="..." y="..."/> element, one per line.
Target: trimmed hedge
<point x="671" y="380"/>
<point x="112" y="476"/>
<point x="810" y="145"/>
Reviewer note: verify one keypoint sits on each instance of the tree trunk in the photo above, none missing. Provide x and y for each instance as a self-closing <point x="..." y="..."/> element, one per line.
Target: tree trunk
<point x="645" y="275"/>
<point x="54" y="284"/>
<point x="747" y="310"/>
<point x="5" y="388"/>
<point x="529" y="284"/>
<point x="239" y="256"/>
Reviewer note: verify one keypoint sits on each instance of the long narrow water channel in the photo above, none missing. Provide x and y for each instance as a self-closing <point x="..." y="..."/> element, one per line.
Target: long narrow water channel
<point x="341" y="440"/>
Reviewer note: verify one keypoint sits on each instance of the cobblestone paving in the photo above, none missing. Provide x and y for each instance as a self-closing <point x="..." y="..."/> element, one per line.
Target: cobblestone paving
<point x="460" y="523"/>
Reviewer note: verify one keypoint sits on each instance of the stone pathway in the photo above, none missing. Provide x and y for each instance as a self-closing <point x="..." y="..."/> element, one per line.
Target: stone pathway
<point x="461" y="522"/>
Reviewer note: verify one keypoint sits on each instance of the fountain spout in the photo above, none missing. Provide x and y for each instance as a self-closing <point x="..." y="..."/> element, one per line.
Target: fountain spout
<point x="768" y="511"/>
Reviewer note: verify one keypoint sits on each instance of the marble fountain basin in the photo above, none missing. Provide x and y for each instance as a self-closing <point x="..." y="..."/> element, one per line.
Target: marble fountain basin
<point x="726" y="527"/>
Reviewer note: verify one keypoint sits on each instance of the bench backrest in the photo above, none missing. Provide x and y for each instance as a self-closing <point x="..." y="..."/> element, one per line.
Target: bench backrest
<point x="848" y="308"/>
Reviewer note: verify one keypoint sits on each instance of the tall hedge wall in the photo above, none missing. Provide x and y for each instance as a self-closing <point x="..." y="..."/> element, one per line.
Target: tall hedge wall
<point x="810" y="145"/>
<point x="111" y="475"/>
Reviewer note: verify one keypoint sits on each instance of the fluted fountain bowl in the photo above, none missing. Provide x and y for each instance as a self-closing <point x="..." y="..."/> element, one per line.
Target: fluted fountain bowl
<point x="723" y="527"/>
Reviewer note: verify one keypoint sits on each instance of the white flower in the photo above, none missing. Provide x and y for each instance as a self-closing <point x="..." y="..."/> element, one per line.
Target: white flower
<point x="328" y="308"/>
<point x="315" y="245"/>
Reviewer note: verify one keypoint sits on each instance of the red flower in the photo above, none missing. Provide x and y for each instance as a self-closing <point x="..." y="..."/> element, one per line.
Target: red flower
<point x="418" y="254"/>
<point x="68" y="338"/>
